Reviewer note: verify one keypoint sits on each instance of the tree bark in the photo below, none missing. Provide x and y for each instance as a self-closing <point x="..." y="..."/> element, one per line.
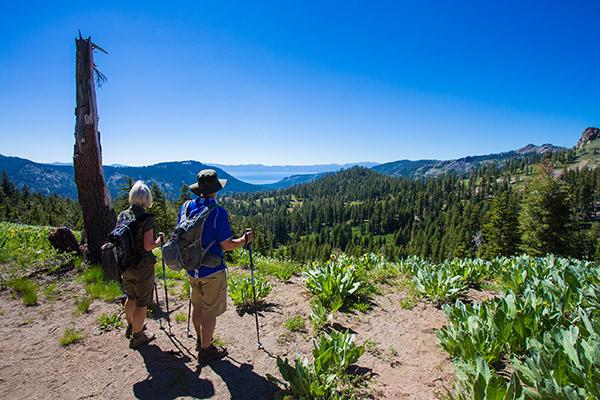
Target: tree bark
<point x="98" y="217"/>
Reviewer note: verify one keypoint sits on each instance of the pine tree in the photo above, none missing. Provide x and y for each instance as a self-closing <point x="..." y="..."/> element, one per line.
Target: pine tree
<point x="121" y="201"/>
<point x="160" y="210"/>
<point x="501" y="228"/>
<point x="546" y="218"/>
<point x="184" y="195"/>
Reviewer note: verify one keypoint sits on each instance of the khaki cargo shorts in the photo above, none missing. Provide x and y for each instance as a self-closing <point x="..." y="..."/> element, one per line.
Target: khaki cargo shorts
<point x="210" y="294"/>
<point x="138" y="282"/>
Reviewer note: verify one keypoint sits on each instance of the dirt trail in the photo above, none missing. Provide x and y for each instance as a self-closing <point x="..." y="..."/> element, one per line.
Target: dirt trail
<point x="403" y="353"/>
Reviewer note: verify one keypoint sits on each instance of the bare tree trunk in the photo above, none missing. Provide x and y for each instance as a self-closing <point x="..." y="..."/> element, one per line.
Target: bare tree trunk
<point x="98" y="217"/>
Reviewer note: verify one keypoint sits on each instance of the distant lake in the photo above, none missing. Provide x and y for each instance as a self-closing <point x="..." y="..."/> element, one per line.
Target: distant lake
<point x="258" y="178"/>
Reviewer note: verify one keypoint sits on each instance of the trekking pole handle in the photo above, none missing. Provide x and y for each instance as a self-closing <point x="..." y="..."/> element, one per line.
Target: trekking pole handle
<point x="247" y="231"/>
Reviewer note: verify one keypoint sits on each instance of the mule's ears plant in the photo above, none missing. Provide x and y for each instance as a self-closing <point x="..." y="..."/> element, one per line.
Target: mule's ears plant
<point x="319" y="316"/>
<point x="240" y="289"/>
<point x="439" y="284"/>
<point x="333" y="283"/>
<point x="478" y="382"/>
<point x="337" y="351"/>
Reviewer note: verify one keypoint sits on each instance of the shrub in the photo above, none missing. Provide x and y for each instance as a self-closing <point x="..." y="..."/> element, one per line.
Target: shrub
<point x="240" y="289"/>
<point x="27" y="246"/>
<point x="109" y="322"/>
<point x="70" y="336"/>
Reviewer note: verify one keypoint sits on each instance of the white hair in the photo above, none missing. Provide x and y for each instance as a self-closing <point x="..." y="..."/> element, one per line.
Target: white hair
<point x="140" y="195"/>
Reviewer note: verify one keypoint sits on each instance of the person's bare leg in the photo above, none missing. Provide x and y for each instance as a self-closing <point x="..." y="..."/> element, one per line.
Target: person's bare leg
<point x="129" y="310"/>
<point x="197" y="321"/>
<point x="139" y="315"/>
<point x="208" y="328"/>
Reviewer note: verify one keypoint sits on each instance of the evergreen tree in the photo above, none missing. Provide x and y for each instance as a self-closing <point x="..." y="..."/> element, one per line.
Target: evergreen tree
<point x="184" y="195"/>
<point x="163" y="218"/>
<point x="501" y="228"/>
<point x="121" y="201"/>
<point x="546" y="218"/>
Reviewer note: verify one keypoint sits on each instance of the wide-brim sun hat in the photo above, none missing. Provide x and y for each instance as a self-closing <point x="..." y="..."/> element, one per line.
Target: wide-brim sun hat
<point x="207" y="182"/>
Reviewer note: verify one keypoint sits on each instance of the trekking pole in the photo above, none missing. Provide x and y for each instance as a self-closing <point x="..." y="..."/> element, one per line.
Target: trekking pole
<point x="259" y="345"/>
<point x="158" y="305"/>
<point x="165" y="283"/>
<point x="189" y="313"/>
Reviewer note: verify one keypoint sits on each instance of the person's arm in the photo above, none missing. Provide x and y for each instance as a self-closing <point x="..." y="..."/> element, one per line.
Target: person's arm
<point x="149" y="242"/>
<point x="232" y="244"/>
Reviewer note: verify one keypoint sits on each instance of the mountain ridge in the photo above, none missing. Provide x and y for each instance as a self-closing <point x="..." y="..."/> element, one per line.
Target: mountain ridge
<point x="171" y="175"/>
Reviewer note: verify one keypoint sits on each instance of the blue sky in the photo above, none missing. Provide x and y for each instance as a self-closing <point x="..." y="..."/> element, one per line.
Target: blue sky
<point x="302" y="82"/>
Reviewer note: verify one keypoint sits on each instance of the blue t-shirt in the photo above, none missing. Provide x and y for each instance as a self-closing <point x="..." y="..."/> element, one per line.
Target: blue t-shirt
<point x="216" y="229"/>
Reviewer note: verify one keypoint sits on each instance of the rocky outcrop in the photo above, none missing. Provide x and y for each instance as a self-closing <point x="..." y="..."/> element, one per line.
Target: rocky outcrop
<point x="545" y="148"/>
<point x="589" y="135"/>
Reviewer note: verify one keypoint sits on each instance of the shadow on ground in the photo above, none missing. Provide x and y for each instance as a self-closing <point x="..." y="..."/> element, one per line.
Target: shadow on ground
<point x="169" y="377"/>
<point x="242" y="382"/>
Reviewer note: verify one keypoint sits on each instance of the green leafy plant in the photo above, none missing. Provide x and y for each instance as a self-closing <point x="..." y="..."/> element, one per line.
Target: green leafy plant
<point x="109" y="322"/>
<point x="50" y="291"/>
<point x="563" y="365"/>
<point x="337" y="351"/>
<point x="319" y="316"/>
<point x="295" y="324"/>
<point x="27" y="246"/>
<point x="180" y="317"/>
<point x="26" y="289"/>
<point x="333" y="283"/>
<point x="83" y="304"/>
<point x="97" y="287"/>
<point x="439" y="284"/>
<point x="70" y="336"/>
<point x="240" y="289"/>
<point x="478" y="382"/>
<point x="107" y="291"/>
<point x="325" y="377"/>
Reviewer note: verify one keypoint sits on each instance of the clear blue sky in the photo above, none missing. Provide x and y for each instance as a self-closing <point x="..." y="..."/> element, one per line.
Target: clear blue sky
<point x="302" y="82"/>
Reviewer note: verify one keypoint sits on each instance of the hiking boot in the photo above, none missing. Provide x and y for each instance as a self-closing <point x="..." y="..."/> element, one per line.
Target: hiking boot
<point x="139" y="339"/>
<point x="211" y="353"/>
<point x="129" y="330"/>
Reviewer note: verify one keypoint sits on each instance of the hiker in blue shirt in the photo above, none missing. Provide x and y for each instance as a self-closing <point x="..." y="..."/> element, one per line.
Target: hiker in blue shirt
<point x="209" y="283"/>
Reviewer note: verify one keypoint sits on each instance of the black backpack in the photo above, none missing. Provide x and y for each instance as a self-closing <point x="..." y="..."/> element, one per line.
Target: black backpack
<point x="120" y="252"/>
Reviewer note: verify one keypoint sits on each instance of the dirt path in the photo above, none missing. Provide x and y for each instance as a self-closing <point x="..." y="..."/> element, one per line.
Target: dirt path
<point x="402" y="351"/>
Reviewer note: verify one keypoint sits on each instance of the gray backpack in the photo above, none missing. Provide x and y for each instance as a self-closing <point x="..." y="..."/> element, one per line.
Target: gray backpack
<point x="184" y="249"/>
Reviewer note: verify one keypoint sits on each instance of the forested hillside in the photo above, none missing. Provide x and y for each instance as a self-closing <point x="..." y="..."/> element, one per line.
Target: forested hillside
<point x="536" y="204"/>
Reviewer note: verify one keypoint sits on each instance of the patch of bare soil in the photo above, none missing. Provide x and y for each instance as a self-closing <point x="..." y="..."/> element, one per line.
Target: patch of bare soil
<point x="403" y="354"/>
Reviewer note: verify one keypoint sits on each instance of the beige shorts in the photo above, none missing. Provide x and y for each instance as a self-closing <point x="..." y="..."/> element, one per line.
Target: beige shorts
<point x="210" y="294"/>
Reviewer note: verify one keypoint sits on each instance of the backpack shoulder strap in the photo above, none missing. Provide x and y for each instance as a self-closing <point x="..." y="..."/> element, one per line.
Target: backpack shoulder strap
<point x="184" y="210"/>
